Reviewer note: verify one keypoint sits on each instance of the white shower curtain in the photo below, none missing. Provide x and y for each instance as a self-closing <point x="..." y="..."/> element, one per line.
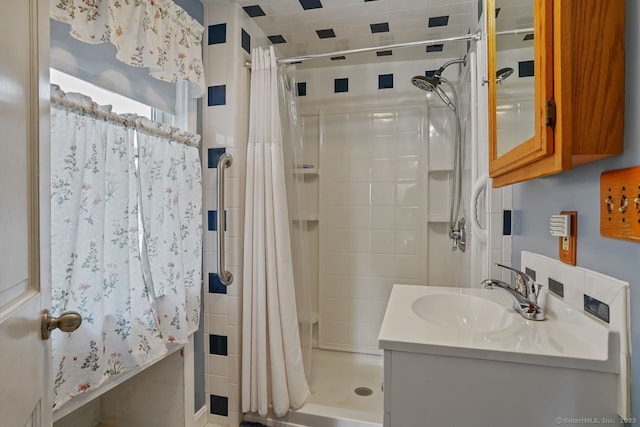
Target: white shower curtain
<point x="95" y="257"/>
<point x="272" y="364"/>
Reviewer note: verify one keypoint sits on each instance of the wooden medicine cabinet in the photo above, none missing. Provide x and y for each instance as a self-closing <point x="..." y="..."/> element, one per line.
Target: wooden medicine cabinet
<point x="556" y="85"/>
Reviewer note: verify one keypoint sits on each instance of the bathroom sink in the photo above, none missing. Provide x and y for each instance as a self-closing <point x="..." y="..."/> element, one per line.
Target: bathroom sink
<point x="463" y="312"/>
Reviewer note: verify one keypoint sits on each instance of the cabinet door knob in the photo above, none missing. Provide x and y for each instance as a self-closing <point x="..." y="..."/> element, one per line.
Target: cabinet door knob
<point x="67" y="322"/>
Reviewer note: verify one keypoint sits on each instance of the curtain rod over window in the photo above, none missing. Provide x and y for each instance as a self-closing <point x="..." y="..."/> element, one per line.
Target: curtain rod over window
<point x="467" y="37"/>
<point x="85" y="105"/>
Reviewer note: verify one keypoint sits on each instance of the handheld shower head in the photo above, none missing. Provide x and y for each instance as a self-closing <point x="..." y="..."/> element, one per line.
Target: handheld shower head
<point x="428" y="84"/>
<point x="502" y="74"/>
<point x="431" y="84"/>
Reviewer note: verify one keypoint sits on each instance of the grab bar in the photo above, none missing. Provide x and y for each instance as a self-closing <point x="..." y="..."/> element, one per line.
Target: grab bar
<point x="225" y="276"/>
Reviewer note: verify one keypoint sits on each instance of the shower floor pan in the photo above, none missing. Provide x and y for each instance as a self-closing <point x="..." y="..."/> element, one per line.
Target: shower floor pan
<point x="335" y="376"/>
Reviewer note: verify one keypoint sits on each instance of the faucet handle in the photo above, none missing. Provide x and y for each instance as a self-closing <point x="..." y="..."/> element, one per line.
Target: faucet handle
<point x="527" y="281"/>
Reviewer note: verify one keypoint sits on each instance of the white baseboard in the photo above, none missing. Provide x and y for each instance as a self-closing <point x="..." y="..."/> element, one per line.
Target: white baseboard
<point x="200" y="417"/>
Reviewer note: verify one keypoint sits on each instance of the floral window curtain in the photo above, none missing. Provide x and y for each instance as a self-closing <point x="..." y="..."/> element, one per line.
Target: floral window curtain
<point x="96" y="262"/>
<point x="147" y="33"/>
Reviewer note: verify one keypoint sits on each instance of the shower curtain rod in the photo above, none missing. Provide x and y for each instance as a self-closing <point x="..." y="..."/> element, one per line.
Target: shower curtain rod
<point x="467" y="37"/>
<point x="516" y="31"/>
<point x="182" y="137"/>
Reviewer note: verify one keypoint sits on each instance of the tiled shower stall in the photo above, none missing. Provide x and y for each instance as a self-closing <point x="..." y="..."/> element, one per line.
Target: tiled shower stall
<point x="379" y="153"/>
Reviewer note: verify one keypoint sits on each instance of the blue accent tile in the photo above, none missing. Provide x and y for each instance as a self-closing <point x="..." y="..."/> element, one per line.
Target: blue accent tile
<point x="215" y="285"/>
<point x="528" y="37"/>
<point x="341" y="85"/>
<point x="217" y="34"/>
<point x="310" y="4"/>
<point x="480" y="9"/>
<point x="212" y="220"/>
<point x="326" y="34"/>
<point x="430" y="73"/>
<point x="302" y="89"/>
<point x="213" y="156"/>
<point x="218" y="345"/>
<point x="439" y="21"/>
<point x="219" y="405"/>
<point x="385" y="53"/>
<point x="525" y="69"/>
<point x="385" y="81"/>
<point x="338" y="58"/>
<point x="497" y="12"/>
<point x="435" y="48"/>
<point x="506" y="223"/>
<point x="382" y="27"/>
<point x="217" y="95"/>
<point x="254" y="11"/>
<point x="246" y="41"/>
<point x="277" y="39"/>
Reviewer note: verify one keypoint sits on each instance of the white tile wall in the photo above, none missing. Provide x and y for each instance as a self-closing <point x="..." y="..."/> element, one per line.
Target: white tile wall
<point x="364" y="213"/>
<point x="226" y="126"/>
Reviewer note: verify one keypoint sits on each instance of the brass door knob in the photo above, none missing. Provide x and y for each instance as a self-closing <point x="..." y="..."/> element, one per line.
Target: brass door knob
<point x="67" y="322"/>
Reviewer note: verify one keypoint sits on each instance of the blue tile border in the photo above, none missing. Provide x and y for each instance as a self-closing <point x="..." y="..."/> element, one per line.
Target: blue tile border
<point x="219" y="405"/>
<point x="302" y="89"/>
<point x="213" y="156"/>
<point x="212" y="221"/>
<point x="218" y="345"/>
<point x="215" y="285"/>
<point x="217" y="95"/>
<point x="254" y="11"/>
<point x="277" y="39"/>
<point x="525" y="68"/>
<point x="341" y="85"/>
<point x="506" y="223"/>
<point x="246" y="41"/>
<point x="327" y="33"/>
<point x="385" y="81"/>
<point x="439" y="21"/>
<point x="382" y="27"/>
<point x="310" y="4"/>
<point x="217" y="34"/>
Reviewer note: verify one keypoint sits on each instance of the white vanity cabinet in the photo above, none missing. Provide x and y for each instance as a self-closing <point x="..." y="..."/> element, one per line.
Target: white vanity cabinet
<point x="464" y="357"/>
<point x="438" y="390"/>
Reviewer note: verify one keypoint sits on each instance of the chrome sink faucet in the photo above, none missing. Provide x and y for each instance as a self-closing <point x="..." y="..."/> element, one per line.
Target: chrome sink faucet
<point x="525" y="292"/>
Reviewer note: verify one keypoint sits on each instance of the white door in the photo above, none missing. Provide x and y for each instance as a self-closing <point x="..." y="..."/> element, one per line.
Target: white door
<point x="24" y="206"/>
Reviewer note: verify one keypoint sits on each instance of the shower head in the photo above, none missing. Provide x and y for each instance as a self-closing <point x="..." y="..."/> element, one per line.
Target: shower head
<point x="428" y="84"/>
<point x="431" y="84"/>
<point x="502" y="74"/>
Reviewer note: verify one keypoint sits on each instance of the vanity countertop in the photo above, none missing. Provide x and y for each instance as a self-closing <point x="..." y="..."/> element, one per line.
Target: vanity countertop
<point x="567" y="338"/>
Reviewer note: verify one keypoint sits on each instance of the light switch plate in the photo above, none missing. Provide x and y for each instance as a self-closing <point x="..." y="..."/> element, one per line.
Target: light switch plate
<point x="620" y="204"/>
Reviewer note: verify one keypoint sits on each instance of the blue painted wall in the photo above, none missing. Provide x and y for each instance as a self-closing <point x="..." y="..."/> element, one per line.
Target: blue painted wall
<point x="535" y="201"/>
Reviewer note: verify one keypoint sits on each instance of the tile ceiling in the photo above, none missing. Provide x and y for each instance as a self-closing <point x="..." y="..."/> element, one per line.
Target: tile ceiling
<point x="300" y="27"/>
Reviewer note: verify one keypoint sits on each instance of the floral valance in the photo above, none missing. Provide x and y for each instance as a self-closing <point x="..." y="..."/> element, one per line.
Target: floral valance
<point x="147" y="33"/>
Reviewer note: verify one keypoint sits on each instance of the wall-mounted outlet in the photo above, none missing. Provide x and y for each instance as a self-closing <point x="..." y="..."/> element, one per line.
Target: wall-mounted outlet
<point x="567" y="243"/>
<point x="620" y="204"/>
